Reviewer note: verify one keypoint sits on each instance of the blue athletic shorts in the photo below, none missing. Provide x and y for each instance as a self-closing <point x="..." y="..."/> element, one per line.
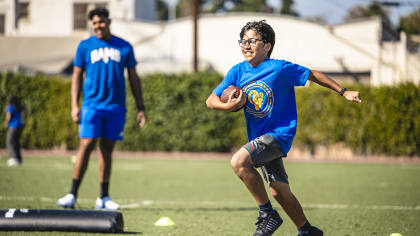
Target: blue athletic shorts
<point x="99" y="123"/>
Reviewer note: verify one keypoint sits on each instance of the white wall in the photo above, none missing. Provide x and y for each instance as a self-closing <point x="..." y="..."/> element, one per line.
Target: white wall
<point x="353" y="47"/>
<point x="7" y="9"/>
<point x="48" y="18"/>
<point x="168" y="47"/>
<point x="55" y="17"/>
<point x="299" y="41"/>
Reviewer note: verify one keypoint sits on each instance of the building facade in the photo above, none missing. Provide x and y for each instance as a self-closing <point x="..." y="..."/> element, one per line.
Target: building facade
<point x="365" y="51"/>
<point x="65" y="17"/>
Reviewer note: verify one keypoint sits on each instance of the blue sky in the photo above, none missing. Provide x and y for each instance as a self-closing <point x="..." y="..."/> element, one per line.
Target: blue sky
<point x="334" y="10"/>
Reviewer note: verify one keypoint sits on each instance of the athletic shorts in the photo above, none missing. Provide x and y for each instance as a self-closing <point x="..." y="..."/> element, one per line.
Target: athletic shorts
<point x="98" y="123"/>
<point x="266" y="153"/>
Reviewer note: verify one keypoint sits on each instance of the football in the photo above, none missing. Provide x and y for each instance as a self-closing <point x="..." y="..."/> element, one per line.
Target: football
<point x="226" y="93"/>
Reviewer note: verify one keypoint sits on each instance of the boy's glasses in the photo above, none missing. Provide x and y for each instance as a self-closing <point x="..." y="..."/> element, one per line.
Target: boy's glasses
<point x="253" y="42"/>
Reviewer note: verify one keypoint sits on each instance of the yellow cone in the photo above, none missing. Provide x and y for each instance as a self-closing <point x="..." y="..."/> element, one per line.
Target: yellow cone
<point x="73" y="159"/>
<point x="164" y="221"/>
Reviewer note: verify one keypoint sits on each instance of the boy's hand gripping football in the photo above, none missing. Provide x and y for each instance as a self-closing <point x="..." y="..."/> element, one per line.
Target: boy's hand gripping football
<point x="236" y="103"/>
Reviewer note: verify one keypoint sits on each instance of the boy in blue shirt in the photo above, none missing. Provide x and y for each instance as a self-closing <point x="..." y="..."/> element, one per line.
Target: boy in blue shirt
<point x="103" y="57"/>
<point x="268" y="98"/>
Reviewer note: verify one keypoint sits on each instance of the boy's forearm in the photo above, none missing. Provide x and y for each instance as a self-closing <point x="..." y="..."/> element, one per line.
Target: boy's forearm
<point x="323" y="80"/>
<point x="214" y="102"/>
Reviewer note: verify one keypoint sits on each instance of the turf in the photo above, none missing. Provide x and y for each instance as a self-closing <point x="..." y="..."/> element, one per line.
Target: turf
<point x="203" y="197"/>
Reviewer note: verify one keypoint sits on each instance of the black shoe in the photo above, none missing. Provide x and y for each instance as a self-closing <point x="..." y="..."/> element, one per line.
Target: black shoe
<point x="268" y="223"/>
<point x="313" y="231"/>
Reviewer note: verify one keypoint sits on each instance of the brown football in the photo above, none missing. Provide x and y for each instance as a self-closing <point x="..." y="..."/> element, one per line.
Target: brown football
<point x="226" y="93"/>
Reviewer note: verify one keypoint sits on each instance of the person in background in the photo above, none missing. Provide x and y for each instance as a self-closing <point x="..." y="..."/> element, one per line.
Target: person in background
<point x="103" y="57"/>
<point x="15" y="114"/>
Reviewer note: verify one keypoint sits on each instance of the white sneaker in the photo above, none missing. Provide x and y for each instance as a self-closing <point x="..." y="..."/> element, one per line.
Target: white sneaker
<point x="67" y="201"/>
<point x="13" y="162"/>
<point x="107" y="204"/>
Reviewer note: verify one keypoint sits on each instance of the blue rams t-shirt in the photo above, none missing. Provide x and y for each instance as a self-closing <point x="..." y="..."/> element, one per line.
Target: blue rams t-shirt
<point x="15" y="117"/>
<point x="104" y="62"/>
<point x="271" y="104"/>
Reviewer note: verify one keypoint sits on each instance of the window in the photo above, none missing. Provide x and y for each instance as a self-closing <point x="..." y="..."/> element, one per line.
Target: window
<point x="23" y="10"/>
<point x="2" y="24"/>
<point x="80" y="14"/>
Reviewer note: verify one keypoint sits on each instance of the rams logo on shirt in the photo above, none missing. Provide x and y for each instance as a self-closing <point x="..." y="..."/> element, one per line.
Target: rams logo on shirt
<point x="105" y="54"/>
<point x="260" y="99"/>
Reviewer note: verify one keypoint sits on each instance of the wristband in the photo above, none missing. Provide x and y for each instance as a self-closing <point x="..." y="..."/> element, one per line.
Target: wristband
<point x="141" y="108"/>
<point x="342" y="91"/>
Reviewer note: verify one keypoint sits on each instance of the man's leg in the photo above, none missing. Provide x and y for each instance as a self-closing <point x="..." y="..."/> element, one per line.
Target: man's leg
<point x="10" y="142"/>
<point x="242" y="166"/>
<point x="105" y="163"/>
<point x="17" y="144"/>
<point x="86" y="147"/>
<point x="106" y="147"/>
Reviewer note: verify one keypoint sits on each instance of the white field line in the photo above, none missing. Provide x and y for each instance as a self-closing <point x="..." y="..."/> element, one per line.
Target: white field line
<point x="138" y="204"/>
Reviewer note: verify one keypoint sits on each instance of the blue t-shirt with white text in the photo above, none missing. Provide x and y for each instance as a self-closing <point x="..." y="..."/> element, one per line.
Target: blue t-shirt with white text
<point x="104" y="62"/>
<point x="271" y="103"/>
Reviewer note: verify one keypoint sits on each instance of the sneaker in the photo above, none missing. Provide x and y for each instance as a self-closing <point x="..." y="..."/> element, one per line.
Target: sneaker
<point x="313" y="231"/>
<point x="107" y="204"/>
<point x="267" y="223"/>
<point x="13" y="162"/>
<point x="67" y="201"/>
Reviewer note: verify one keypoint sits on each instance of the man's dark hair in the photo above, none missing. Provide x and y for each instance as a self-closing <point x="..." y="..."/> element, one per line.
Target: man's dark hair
<point x="263" y="29"/>
<point x="14" y="101"/>
<point x="100" y="11"/>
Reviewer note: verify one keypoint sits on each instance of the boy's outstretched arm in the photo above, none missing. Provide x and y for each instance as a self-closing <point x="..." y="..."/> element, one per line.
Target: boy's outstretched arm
<point x="324" y="80"/>
<point x="214" y="102"/>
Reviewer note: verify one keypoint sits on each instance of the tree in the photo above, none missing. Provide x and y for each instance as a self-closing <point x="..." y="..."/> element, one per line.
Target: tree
<point x="373" y="9"/>
<point x="286" y="8"/>
<point x="410" y="23"/>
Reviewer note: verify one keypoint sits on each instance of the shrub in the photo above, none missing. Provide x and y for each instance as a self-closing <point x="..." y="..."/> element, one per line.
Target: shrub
<point x="386" y="122"/>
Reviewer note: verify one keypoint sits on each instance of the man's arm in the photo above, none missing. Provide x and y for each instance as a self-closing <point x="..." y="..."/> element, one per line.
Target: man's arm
<point x="135" y="84"/>
<point x="324" y="80"/>
<point x="6" y="121"/>
<point x="76" y="88"/>
<point x="233" y="104"/>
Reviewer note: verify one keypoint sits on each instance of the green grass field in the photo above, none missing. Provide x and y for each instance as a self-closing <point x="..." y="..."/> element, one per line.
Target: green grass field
<point x="203" y="197"/>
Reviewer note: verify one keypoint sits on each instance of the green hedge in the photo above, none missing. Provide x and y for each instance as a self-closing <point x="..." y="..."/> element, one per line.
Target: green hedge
<point x="178" y="119"/>
<point x="47" y="102"/>
<point x="386" y="122"/>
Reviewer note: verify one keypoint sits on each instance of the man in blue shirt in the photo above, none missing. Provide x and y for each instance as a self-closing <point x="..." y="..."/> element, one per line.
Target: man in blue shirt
<point x="15" y="114"/>
<point x="268" y="97"/>
<point x="103" y="57"/>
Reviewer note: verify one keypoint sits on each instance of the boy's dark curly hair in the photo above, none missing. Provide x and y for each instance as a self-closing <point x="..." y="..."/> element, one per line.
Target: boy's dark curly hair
<point x="100" y="11"/>
<point x="263" y="29"/>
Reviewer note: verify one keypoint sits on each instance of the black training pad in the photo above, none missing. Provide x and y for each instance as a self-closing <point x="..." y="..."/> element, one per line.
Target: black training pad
<point x="61" y="220"/>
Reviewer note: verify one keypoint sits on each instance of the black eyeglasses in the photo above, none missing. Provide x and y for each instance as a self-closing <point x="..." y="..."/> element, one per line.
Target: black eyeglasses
<point x="253" y="42"/>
